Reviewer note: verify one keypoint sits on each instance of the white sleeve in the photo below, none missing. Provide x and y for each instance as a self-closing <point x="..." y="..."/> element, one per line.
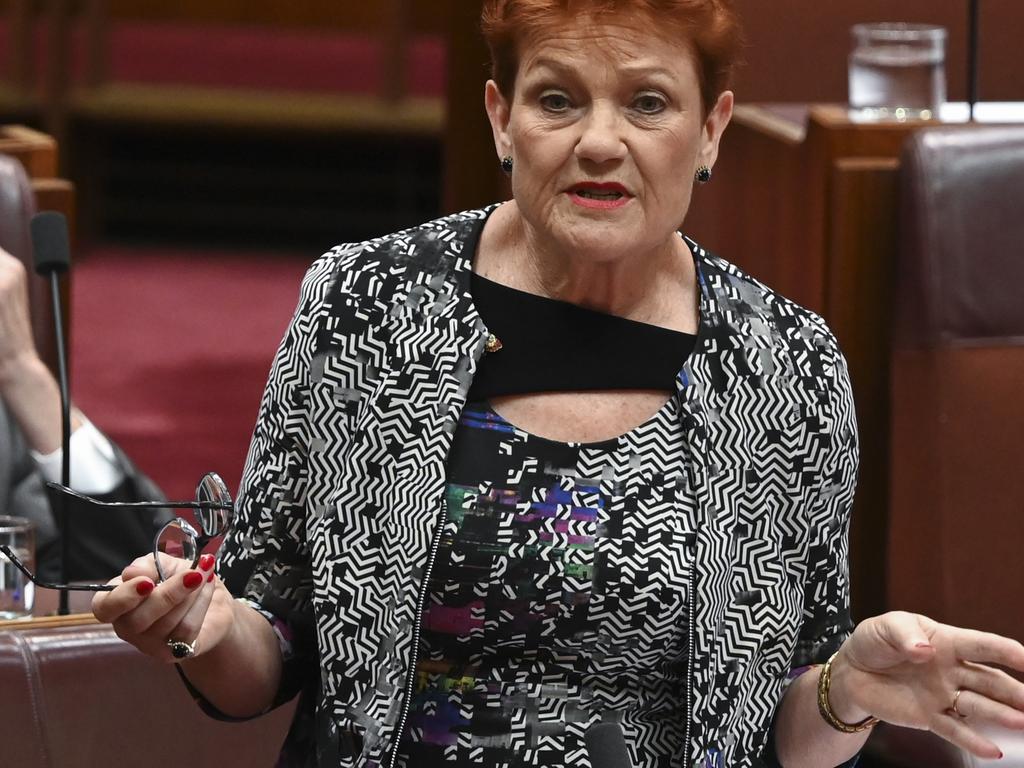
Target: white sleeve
<point x="94" y="466"/>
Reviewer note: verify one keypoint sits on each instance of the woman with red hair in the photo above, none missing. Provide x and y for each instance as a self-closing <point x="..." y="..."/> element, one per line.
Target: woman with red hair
<point x="550" y="465"/>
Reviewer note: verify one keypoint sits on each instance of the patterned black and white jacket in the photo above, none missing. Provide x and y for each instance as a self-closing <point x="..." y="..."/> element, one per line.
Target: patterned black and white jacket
<point x="345" y="480"/>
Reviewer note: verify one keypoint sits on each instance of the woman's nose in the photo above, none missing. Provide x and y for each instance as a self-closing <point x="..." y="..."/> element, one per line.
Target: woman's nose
<point x="601" y="137"/>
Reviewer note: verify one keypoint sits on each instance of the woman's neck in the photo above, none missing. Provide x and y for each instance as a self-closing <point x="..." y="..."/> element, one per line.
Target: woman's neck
<point x="657" y="287"/>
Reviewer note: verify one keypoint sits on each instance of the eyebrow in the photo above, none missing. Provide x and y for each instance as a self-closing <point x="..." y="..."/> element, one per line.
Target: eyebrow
<point x="639" y="70"/>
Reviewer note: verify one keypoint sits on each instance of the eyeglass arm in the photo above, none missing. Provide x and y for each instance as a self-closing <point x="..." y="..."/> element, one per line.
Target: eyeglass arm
<point x="140" y="504"/>
<point x="47" y="585"/>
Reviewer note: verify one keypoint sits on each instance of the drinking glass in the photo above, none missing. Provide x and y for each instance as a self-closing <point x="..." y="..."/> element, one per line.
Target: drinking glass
<point x="17" y="593"/>
<point x="897" y="71"/>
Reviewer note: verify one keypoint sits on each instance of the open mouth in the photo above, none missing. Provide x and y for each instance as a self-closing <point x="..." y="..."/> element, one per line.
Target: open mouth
<point x="593" y="194"/>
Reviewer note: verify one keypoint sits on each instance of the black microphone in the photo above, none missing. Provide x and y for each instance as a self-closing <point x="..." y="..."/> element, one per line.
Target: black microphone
<point x="606" y="746"/>
<point x="51" y="251"/>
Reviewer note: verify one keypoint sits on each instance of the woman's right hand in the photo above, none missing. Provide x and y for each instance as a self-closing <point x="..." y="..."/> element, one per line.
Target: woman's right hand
<point x="191" y="606"/>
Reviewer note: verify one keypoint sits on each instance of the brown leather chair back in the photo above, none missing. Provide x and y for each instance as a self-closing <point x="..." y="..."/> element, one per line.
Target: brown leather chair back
<point x="79" y="697"/>
<point x="957" y="493"/>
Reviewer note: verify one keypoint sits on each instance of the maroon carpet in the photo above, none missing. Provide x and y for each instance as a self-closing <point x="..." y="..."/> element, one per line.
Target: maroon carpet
<point x="171" y="348"/>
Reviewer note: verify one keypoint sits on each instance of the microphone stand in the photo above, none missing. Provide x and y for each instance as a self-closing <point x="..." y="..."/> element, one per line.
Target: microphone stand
<point x="64" y="522"/>
<point x="52" y="255"/>
<point x="972" y="57"/>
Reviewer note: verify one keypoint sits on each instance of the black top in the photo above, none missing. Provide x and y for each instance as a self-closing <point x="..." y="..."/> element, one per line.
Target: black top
<point x="549" y="345"/>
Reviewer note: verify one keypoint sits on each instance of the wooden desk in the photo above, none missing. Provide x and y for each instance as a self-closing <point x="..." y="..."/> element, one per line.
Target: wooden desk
<point x="44" y="612"/>
<point x="806" y="199"/>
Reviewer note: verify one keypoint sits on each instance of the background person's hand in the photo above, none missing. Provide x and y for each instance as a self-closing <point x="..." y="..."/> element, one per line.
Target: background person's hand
<point x="906" y="669"/>
<point x="191" y="606"/>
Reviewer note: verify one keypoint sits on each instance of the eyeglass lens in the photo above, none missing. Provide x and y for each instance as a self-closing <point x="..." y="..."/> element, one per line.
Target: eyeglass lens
<point x="180" y="540"/>
<point x="211" y="489"/>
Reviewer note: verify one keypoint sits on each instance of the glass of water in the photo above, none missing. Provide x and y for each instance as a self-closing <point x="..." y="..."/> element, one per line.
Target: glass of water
<point x="897" y="71"/>
<point x="17" y="593"/>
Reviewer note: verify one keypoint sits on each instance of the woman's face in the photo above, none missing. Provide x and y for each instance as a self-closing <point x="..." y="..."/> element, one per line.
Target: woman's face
<point x="606" y="132"/>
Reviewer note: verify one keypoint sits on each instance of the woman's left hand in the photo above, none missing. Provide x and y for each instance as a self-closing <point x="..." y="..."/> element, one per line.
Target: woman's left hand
<point x="906" y="669"/>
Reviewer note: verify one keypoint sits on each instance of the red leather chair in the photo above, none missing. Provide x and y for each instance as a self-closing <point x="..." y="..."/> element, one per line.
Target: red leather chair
<point x="957" y="484"/>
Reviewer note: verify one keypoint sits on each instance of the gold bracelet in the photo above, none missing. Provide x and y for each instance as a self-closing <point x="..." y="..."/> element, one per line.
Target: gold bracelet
<point x="825" y="708"/>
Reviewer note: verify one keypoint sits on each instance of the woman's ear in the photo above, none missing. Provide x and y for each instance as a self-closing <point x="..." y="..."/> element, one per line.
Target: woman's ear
<point x="498" y="112"/>
<point x="714" y="126"/>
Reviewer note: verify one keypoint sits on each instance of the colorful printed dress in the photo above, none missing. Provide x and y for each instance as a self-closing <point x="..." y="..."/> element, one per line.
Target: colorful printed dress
<point x="558" y="599"/>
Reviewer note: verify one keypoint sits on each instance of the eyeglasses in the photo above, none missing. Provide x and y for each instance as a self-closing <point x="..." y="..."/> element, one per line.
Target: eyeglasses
<point x="178" y="538"/>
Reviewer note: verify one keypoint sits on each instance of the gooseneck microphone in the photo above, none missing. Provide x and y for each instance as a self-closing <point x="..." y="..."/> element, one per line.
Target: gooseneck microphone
<point x="606" y="746"/>
<point x="51" y="252"/>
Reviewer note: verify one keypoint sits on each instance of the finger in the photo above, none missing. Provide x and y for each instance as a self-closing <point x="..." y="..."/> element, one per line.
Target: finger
<point x="190" y="627"/>
<point x="141" y="566"/>
<point x="981" y="709"/>
<point x="908" y="633"/>
<point x="166" y="627"/>
<point x="127" y="596"/>
<point x="987" y="648"/>
<point x="993" y="684"/>
<point x="956" y="731"/>
<point x="165" y="599"/>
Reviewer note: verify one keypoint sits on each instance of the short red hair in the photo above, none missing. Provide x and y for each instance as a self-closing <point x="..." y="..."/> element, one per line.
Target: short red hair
<point x="710" y="27"/>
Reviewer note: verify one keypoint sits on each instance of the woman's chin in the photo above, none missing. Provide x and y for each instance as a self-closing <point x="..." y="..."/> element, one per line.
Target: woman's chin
<point x="603" y="241"/>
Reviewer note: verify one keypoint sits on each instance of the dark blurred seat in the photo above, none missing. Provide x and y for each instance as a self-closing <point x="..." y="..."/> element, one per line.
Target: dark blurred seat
<point x="957" y="488"/>
<point x="79" y="697"/>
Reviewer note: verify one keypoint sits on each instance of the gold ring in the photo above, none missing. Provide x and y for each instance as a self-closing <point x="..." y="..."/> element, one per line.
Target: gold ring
<point x="182" y="650"/>
<point x="956" y="701"/>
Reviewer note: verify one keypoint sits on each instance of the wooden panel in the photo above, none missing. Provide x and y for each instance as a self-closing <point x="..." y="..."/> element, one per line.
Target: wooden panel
<point x="831" y="137"/>
<point x="36" y="151"/>
<point x="862" y="249"/>
<point x="242" y="110"/>
<point x="471" y="174"/>
<point x="754" y="211"/>
<point x="19" y="57"/>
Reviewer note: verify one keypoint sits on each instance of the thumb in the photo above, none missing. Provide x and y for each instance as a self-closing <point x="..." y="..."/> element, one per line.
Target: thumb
<point x="908" y="634"/>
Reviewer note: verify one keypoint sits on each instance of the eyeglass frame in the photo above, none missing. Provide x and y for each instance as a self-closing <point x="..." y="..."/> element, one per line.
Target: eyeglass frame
<point x="200" y="539"/>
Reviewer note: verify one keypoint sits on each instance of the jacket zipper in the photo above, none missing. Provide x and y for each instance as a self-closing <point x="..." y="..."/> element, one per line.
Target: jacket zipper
<point x="417" y="629"/>
<point x="689" y="662"/>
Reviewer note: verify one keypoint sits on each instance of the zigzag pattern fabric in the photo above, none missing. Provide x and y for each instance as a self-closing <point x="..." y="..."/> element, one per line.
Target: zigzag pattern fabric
<point x="345" y="485"/>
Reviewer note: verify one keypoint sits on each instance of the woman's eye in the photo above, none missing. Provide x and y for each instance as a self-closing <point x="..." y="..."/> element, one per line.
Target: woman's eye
<point x="648" y="103"/>
<point x="555" y="102"/>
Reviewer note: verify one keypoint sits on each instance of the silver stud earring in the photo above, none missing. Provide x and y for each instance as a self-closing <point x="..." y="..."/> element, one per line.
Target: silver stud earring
<point x="703" y="175"/>
<point x="506" y="164"/>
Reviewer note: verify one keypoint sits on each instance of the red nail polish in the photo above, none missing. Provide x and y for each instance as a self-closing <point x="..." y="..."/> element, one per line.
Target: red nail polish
<point x="206" y="562"/>
<point x="210" y="577"/>
<point x="144" y="587"/>
<point x="192" y="579"/>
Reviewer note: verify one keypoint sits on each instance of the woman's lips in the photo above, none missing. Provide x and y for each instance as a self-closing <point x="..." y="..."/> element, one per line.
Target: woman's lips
<point x="600" y="196"/>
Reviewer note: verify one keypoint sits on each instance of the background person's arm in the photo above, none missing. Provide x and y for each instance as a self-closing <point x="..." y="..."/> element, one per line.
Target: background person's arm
<point x="26" y="384"/>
